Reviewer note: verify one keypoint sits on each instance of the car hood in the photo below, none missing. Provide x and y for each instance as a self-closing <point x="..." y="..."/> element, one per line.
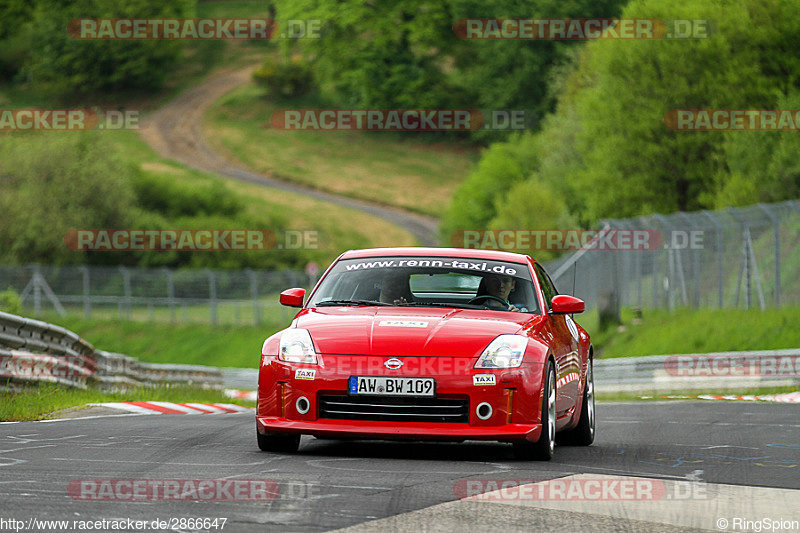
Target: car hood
<point x="407" y="331"/>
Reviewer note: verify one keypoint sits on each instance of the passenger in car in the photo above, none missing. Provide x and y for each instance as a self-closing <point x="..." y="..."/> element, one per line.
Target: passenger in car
<point x="499" y="286"/>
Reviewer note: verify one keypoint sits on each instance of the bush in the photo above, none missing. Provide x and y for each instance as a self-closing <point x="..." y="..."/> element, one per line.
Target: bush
<point x="175" y="199"/>
<point x="285" y="80"/>
<point x="10" y="302"/>
<point x="53" y="183"/>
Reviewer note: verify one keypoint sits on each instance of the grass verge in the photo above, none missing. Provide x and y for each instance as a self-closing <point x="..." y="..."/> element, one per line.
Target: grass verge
<point x="660" y="332"/>
<point x="187" y="344"/>
<point x="398" y="169"/>
<point x="339" y="228"/>
<point x="45" y="400"/>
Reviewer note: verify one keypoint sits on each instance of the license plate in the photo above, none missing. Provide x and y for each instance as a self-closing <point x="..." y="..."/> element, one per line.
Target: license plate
<point x="386" y="386"/>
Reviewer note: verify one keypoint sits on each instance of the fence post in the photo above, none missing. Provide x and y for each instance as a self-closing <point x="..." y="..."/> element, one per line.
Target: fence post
<point x="254" y="296"/>
<point x="695" y="260"/>
<point x="37" y="291"/>
<point x="776" y="237"/>
<point x="639" y="268"/>
<point x="674" y="262"/>
<point x="718" y="232"/>
<point x="87" y="303"/>
<point x="170" y="293"/>
<point x="654" y="268"/>
<point x="126" y="280"/>
<point x="212" y="295"/>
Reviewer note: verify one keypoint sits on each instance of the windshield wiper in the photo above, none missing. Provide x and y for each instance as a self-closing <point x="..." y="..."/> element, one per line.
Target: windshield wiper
<point x="349" y="302"/>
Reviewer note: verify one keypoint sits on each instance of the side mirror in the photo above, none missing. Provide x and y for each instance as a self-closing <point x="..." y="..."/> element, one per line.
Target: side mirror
<point x="293" y="297"/>
<point x="565" y="305"/>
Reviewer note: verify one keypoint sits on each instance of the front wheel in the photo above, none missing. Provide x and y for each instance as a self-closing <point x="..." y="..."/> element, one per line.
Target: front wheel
<point x="542" y="450"/>
<point x="583" y="433"/>
<point x="278" y="443"/>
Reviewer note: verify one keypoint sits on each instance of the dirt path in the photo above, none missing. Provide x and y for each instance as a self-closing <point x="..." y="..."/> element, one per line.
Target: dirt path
<point x="175" y="132"/>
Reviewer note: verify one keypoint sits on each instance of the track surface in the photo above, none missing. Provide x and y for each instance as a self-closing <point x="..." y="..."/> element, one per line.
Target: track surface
<point x="333" y="484"/>
<point x="175" y="132"/>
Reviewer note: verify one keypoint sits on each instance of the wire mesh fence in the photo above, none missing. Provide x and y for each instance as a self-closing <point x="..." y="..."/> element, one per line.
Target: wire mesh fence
<point x="217" y="297"/>
<point x="735" y="258"/>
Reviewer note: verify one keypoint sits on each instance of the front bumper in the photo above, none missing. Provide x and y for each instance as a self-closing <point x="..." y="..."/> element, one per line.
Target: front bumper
<point x="401" y="430"/>
<point x="515" y="398"/>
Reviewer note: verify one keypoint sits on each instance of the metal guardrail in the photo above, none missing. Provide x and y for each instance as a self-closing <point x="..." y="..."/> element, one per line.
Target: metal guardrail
<point x="116" y="370"/>
<point x="35" y="336"/>
<point x="658" y="373"/>
<point x="709" y="371"/>
<point x="33" y="351"/>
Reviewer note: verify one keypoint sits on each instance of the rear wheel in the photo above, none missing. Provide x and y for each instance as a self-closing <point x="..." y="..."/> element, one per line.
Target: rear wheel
<point x="583" y="433"/>
<point x="278" y="443"/>
<point x="542" y="450"/>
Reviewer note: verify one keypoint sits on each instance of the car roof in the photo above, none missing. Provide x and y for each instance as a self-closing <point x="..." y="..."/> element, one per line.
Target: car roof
<point x="467" y="253"/>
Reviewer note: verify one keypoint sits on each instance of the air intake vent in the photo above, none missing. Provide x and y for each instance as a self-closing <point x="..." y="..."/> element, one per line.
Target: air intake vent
<point x="394" y="409"/>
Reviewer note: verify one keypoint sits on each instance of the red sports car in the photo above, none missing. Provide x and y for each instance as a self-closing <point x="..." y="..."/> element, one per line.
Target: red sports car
<point x="429" y="343"/>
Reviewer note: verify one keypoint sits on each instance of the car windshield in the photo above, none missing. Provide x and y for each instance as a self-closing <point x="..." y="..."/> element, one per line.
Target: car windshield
<point x="428" y="282"/>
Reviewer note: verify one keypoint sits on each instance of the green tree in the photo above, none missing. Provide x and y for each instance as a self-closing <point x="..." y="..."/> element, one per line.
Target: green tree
<point x="378" y="54"/>
<point x="519" y="73"/>
<point x="760" y="166"/>
<point x="530" y="205"/>
<point x="634" y="164"/>
<point x="71" y="67"/>
<point x="475" y="202"/>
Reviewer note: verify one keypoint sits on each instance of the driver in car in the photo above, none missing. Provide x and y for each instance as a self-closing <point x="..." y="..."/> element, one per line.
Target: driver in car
<point x="500" y="286"/>
<point x="395" y="288"/>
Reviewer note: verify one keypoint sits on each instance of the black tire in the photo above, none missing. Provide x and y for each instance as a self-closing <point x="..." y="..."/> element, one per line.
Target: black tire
<point x="542" y="450"/>
<point x="278" y="443"/>
<point x="583" y="433"/>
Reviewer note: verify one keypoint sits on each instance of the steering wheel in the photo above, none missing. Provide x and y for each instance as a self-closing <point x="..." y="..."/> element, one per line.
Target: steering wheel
<point x="488" y="297"/>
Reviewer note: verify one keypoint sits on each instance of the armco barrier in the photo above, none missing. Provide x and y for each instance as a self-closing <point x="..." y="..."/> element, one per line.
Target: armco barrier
<point x="709" y="371"/>
<point x="73" y="371"/>
<point x="31" y="351"/>
<point x="117" y="370"/>
<point x="40" y="337"/>
<point x="34" y="351"/>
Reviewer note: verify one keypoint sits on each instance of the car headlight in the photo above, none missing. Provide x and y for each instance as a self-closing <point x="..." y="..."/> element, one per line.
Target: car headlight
<point x="506" y="351"/>
<point x="297" y="347"/>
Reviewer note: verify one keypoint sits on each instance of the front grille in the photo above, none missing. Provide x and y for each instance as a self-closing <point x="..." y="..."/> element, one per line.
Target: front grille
<point x="394" y="409"/>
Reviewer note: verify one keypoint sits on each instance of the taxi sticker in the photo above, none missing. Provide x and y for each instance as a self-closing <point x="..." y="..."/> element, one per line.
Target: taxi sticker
<point x="404" y="323"/>
<point x="305" y="373"/>
<point x="484" y="379"/>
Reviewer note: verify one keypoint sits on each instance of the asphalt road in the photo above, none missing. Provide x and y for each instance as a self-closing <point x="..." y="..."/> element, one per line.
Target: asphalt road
<point x="335" y="484"/>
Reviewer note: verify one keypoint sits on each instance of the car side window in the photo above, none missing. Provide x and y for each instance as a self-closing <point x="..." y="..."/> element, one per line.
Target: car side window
<point x="548" y="288"/>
